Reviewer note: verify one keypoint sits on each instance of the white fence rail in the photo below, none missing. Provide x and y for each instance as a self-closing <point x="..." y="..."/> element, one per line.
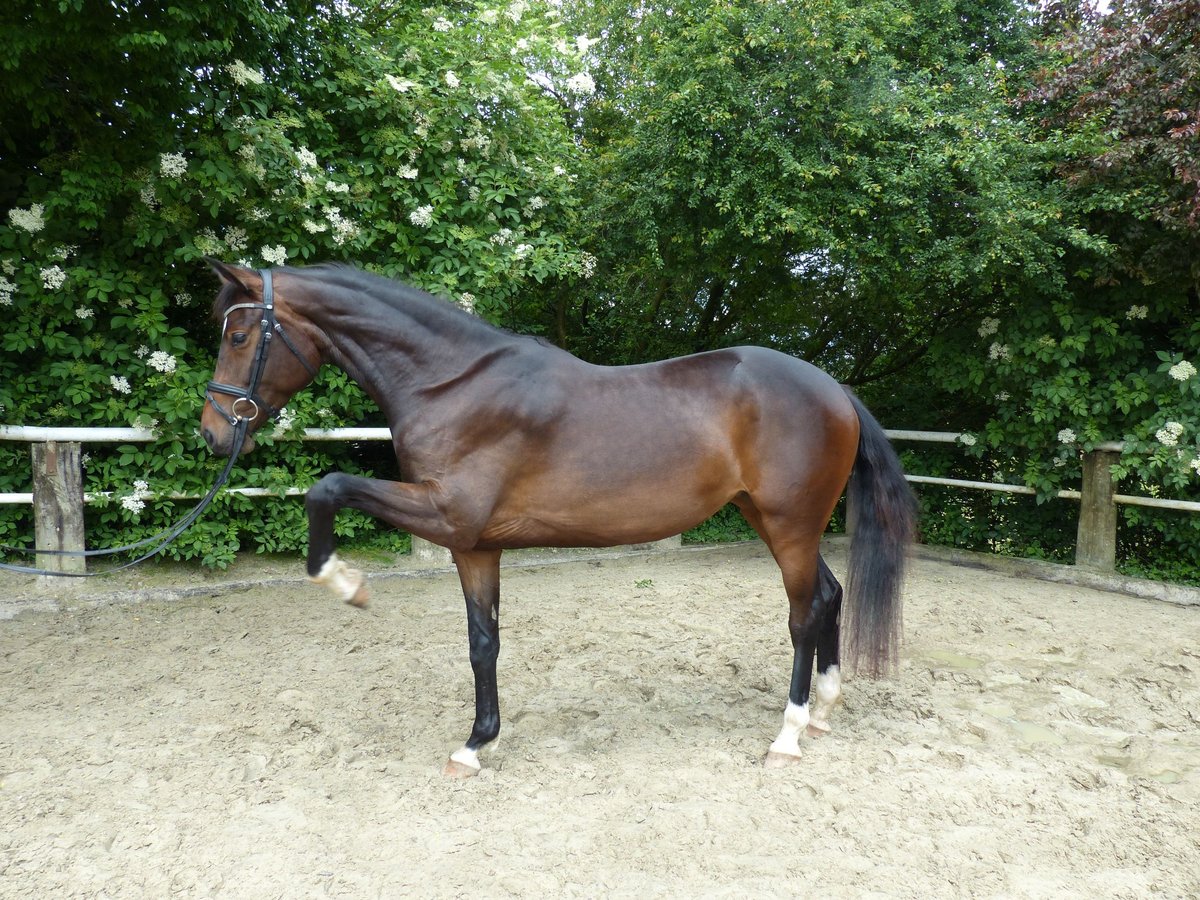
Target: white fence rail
<point x="58" y="499"/>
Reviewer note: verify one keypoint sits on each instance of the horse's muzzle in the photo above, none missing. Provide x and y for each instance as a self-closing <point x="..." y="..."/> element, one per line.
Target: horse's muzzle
<point x="223" y="445"/>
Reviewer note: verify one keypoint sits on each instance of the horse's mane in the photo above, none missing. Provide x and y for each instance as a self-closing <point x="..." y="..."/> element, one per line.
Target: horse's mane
<point x="358" y="280"/>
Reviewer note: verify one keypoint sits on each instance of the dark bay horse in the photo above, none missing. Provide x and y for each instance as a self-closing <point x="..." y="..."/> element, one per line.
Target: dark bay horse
<point x="504" y="441"/>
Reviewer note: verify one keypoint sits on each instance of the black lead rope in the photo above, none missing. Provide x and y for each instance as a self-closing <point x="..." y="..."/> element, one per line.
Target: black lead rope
<point x="241" y="424"/>
<point x="163" y="538"/>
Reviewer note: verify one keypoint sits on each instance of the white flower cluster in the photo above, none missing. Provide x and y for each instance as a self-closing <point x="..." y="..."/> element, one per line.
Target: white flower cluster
<point x="32" y="220"/>
<point x="402" y="85"/>
<point x="120" y="384"/>
<point x="999" y="351"/>
<point x="1195" y="465"/>
<point x="136" y="501"/>
<point x="172" y="165"/>
<point x="1067" y="436"/>
<point x="1182" y="371"/>
<point x="276" y="256"/>
<point x="242" y="74"/>
<point x="988" y="327"/>
<point x="148" y="196"/>
<point x="1169" y="434"/>
<point x="162" y="361"/>
<point x="467" y="301"/>
<point x="84" y="312"/>
<point x="53" y="277"/>
<point x="336" y="187"/>
<point x="967" y="439"/>
<point x="1137" y="312"/>
<point x="284" y="421"/>
<point x="422" y="216"/>
<point x="236" y="238"/>
<point x="7" y="289"/>
<point x="408" y="172"/>
<point x="587" y="264"/>
<point x="441" y="24"/>
<point x="582" y="84"/>
<point x="343" y="229"/>
<point x="451" y="79"/>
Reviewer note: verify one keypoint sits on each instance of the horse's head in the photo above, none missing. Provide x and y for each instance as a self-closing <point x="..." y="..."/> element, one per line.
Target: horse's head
<point x="260" y="365"/>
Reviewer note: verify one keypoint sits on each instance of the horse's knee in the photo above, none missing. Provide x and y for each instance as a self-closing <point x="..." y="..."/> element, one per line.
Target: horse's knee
<point x="326" y="494"/>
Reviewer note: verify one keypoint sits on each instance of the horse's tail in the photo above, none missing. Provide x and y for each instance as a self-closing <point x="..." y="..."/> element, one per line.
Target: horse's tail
<point x="885" y="517"/>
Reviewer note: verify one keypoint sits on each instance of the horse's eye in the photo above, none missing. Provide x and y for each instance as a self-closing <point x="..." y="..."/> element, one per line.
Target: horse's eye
<point x="239" y="338"/>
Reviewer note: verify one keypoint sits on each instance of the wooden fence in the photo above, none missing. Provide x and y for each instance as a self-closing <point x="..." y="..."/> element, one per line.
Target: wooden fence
<point x="58" y="498"/>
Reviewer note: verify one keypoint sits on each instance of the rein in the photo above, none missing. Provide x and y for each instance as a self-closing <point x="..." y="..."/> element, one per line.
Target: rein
<point x="240" y="422"/>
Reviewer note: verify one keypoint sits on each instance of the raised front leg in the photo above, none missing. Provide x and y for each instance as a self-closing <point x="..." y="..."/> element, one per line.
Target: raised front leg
<point x="479" y="573"/>
<point x="411" y="507"/>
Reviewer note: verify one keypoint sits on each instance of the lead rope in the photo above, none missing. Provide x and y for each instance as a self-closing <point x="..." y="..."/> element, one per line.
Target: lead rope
<point x="240" y="423"/>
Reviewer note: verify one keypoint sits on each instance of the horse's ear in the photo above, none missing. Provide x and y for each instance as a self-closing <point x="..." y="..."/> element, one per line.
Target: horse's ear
<point x="229" y="274"/>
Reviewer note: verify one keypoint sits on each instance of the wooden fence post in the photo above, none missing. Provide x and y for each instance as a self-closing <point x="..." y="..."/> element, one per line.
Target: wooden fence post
<point x="58" y="504"/>
<point x="1096" y="543"/>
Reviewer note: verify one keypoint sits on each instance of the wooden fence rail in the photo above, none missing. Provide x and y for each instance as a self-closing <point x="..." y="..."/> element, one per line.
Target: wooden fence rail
<point x="58" y="498"/>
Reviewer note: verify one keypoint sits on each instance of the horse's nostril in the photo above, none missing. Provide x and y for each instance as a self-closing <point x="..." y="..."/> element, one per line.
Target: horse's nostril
<point x="209" y="437"/>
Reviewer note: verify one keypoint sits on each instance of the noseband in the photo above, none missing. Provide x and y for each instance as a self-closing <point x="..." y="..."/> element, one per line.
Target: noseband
<point x="249" y="394"/>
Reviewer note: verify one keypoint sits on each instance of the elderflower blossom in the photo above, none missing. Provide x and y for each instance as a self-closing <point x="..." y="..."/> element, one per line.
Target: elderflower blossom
<point x="967" y="439"/>
<point x="343" y="229"/>
<point x="401" y="85"/>
<point x="306" y="158"/>
<point x="162" y="361"/>
<point x="135" y="502"/>
<point x="988" y="327"/>
<point x="587" y="264"/>
<point x="451" y="79"/>
<point x="582" y="84"/>
<point x="466" y="300"/>
<point x="408" y="172"/>
<point x="242" y="74"/>
<point x="1137" y="312"/>
<point x="276" y="256"/>
<point x="522" y="250"/>
<point x="7" y="289"/>
<point x="53" y="277"/>
<point x="441" y="24"/>
<point x="32" y="220"/>
<point x="1169" y="434"/>
<point x="284" y="421"/>
<point x="236" y="238"/>
<point x="120" y="384"/>
<point x="172" y="165"/>
<point x="1195" y="465"/>
<point x="148" y="196"/>
<point x="517" y="9"/>
<point x="1067" y="436"/>
<point x="1182" y="371"/>
<point x="999" y="351"/>
<point x="84" y="312"/>
<point x="422" y="216"/>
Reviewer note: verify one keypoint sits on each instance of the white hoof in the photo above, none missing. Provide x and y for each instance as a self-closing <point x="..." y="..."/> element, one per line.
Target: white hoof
<point x="346" y="583"/>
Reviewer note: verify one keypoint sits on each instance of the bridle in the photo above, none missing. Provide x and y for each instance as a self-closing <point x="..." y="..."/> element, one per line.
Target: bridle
<point x="241" y="425"/>
<point x="268" y="326"/>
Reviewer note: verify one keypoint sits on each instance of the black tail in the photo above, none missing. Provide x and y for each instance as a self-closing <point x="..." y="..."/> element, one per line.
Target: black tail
<point x="885" y="517"/>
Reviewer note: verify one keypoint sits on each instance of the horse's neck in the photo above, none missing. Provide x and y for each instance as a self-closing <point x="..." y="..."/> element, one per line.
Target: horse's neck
<point x="395" y="349"/>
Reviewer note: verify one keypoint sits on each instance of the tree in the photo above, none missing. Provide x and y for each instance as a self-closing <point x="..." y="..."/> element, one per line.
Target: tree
<point x="842" y="181"/>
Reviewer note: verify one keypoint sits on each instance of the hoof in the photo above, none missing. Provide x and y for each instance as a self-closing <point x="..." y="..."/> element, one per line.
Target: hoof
<point x="360" y="597"/>
<point x="777" y="760"/>
<point x="456" y="769"/>
<point x="818" y="729"/>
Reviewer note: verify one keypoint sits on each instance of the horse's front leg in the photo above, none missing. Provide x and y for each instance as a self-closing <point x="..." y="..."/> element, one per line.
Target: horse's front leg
<point x="479" y="573"/>
<point x="411" y="507"/>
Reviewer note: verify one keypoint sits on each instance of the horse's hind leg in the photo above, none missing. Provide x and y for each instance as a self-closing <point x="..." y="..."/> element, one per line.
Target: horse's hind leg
<point x="799" y="563"/>
<point x="827" y="608"/>
<point x="479" y="573"/>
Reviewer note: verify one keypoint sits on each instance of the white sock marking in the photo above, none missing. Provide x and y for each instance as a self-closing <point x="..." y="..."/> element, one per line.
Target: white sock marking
<point x="467" y="757"/>
<point x="339" y="577"/>
<point x="828" y="690"/>
<point x="795" y="720"/>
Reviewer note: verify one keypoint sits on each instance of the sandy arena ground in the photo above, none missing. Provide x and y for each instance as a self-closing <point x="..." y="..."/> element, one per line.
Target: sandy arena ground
<point x="1041" y="740"/>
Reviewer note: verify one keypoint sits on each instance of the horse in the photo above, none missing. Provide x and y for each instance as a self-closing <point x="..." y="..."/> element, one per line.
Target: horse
<point x="506" y="441"/>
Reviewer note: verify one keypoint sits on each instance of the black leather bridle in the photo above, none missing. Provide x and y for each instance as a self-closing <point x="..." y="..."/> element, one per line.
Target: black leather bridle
<point x="268" y="326"/>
